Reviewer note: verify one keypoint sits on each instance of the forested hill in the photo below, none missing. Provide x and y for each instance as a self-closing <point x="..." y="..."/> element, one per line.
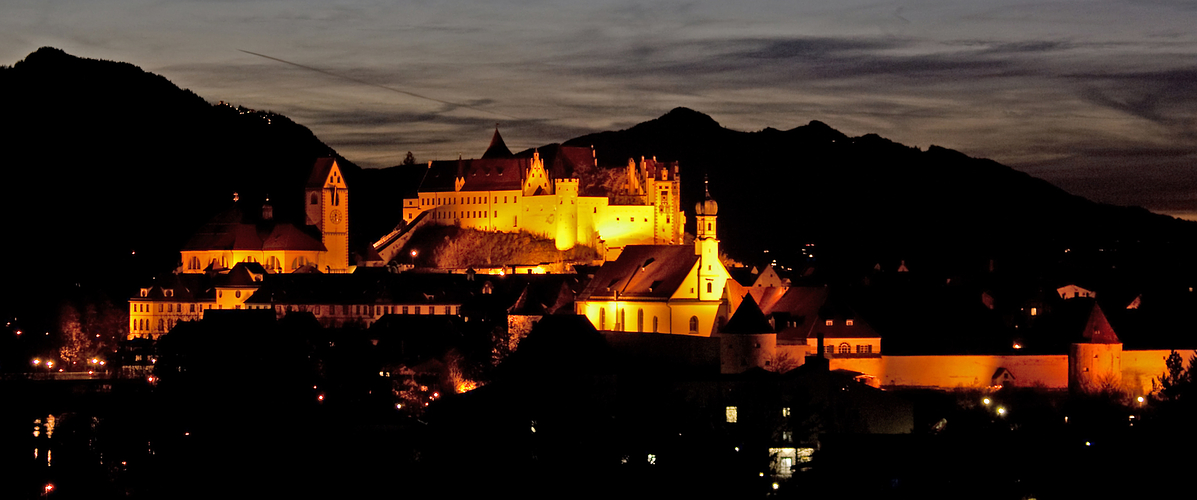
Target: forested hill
<point x="109" y="169"/>
<point x="867" y="200"/>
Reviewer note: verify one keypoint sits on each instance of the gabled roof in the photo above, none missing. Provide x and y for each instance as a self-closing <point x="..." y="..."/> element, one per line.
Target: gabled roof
<point x="643" y="271"/>
<point x="497" y="148"/>
<point x="748" y="319"/>
<point x="499" y="174"/>
<point x="320" y="172"/>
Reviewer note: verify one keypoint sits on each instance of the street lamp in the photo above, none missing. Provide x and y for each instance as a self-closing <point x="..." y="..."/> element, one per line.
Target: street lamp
<point x="413" y="258"/>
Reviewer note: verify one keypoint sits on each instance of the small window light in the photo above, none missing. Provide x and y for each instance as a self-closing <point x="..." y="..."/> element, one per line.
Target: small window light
<point x="829" y="322"/>
<point x="847" y="322"/>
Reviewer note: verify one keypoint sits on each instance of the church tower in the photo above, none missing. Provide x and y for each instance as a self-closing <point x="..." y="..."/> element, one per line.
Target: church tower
<point x="327" y="202"/>
<point x="711" y="274"/>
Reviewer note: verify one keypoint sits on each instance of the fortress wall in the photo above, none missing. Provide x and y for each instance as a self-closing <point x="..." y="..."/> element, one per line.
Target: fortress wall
<point x="1140" y="368"/>
<point x="948" y="372"/>
<point x="621" y="225"/>
<point x="538" y="216"/>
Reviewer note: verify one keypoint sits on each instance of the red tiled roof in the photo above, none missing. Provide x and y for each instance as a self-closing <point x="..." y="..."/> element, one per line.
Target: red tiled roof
<point x="497" y="148"/>
<point x="643" y="271"/>
<point x="1098" y="329"/>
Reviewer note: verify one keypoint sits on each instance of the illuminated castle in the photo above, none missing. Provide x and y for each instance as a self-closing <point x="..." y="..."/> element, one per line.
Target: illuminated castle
<point x="539" y="195"/>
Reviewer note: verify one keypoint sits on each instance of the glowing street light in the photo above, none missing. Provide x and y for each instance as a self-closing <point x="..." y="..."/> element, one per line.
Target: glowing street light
<point x="1001" y="411"/>
<point x="985" y="401"/>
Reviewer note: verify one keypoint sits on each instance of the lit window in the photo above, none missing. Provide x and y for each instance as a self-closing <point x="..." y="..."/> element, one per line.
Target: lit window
<point x="787" y="436"/>
<point x="732" y="414"/>
<point x="785" y="411"/>
<point x="829" y="322"/>
<point x="1034" y="311"/>
<point x="845" y="348"/>
<point x="847" y="322"/>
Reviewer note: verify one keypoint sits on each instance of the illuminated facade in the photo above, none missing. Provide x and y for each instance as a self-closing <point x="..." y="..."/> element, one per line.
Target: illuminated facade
<point x="670" y="289"/>
<point x="335" y="300"/>
<point x="502" y="192"/>
<point x="238" y="235"/>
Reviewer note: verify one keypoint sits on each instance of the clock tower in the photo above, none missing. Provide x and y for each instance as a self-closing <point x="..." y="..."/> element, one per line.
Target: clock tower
<point x="327" y="198"/>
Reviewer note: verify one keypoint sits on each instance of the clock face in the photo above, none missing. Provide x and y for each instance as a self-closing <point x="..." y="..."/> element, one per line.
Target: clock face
<point x="335" y="216"/>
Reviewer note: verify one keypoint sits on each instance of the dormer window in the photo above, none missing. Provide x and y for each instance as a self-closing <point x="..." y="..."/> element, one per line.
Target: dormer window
<point x="847" y="322"/>
<point x="168" y="293"/>
<point x="829" y="322"/>
<point x="145" y="292"/>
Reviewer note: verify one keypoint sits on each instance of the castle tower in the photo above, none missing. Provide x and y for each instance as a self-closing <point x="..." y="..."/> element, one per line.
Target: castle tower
<point x="747" y="341"/>
<point x="711" y="274"/>
<point x="327" y="207"/>
<point x="1095" y="364"/>
<point x="664" y="190"/>
<point x="567" y="213"/>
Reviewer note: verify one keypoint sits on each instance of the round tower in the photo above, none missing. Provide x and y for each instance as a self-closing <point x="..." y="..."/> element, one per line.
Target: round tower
<point x="1095" y="363"/>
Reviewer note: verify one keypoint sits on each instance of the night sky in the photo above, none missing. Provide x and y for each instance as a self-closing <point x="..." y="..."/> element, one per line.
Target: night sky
<point x="1095" y="96"/>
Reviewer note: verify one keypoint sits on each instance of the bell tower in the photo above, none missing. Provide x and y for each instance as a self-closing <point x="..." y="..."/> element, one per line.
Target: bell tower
<point x="327" y="201"/>
<point x="711" y="274"/>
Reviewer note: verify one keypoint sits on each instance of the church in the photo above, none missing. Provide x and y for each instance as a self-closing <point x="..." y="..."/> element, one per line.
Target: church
<point x="672" y="289"/>
<point x="241" y="235"/>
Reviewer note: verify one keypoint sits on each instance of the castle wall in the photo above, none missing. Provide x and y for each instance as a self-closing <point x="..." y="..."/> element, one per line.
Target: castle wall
<point x="622" y="225"/>
<point x="949" y="372"/>
<point x="1141" y="368"/>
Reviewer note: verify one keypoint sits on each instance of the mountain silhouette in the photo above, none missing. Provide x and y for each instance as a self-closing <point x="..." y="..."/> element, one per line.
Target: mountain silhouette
<point x="866" y="200"/>
<point x="110" y="169"/>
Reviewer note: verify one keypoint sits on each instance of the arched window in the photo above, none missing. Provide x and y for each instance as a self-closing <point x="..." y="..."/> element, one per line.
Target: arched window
<point x="602" y="319"/>
<point x="315" y="198"/>
<point x="845" y="348"/>
<point x="639" y="320"/>
<point x="709" y="287"/>
<point x="272" y="263"/>
<point x="161" y="325"/>
<point x="693" y="324"/>
<point x="654" y="324"/>
<point x="250" y="258"/>
<point x="621" y="324"/>
<point x="194" y="263"/>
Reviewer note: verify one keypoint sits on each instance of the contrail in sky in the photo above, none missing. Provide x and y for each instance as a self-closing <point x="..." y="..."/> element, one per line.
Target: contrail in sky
<point x="372" y="84"/>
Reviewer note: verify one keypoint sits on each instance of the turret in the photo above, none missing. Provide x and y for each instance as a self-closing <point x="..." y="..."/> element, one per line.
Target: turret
<point x="706" y="212"/>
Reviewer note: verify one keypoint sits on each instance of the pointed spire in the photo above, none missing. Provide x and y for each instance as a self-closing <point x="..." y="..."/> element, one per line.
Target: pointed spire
<point x="708" y="205"/>
<point x="498" y="148"/>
